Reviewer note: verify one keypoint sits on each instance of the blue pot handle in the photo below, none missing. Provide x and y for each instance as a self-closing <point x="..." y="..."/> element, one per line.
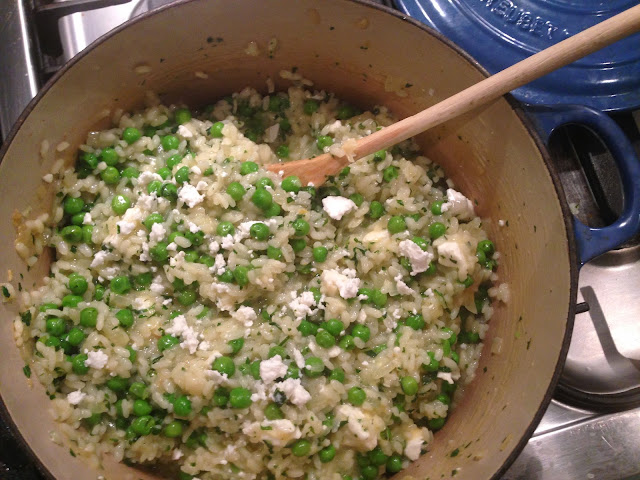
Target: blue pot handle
<point x="592" y="242"/>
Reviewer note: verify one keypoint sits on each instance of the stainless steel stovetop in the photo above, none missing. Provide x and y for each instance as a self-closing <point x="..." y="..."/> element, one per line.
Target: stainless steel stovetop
<point x="591" y="429"/>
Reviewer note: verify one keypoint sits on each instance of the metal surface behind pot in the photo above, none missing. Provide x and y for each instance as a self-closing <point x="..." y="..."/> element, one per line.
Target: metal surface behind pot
<point x="195" y="51"/>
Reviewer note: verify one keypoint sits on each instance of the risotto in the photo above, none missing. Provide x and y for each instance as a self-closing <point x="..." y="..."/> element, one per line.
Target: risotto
<point x="212" y="319"/>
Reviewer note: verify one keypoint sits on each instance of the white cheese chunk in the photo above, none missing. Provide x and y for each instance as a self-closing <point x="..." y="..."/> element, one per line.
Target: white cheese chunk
<point x="157" y="232"/>
<point x="272" y="369"/>
<point x="245" y="315"/>
<point x="345" y="283"/>
<point x="337" y="207"/>
<point x="418" y="258"/>
<point x="190" y="196"/>
<point x="180" y="328"/>
<point x="458" y="205"/>
<point x="96" y="359"/>
<point x="403" y="288"/>
<point x="295" y="392"/>
<point x="74" y="398"/>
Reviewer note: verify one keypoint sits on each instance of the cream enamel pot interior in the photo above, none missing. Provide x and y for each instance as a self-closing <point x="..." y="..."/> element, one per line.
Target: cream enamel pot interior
<point x="195" y="52"/>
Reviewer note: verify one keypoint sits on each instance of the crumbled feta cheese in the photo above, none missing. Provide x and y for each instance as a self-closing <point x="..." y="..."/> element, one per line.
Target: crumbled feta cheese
<point x="96" y="359"/>
<point x="214" y="247"/>
<point x="172" y="247"/>
<point x="337" y="207"/>
<point x="219" y="265"/>
<point x="195" y="170"/>
<point x="180" y="328"/>
<point x="189" y="195"/>
<point x="156" y="286"/>
<point x="458" y="205"/>
<point x="147" y="177"/>
<point x="361" y="425"/>
<point x="293" y="389"/>
<point x="227" y="242"/>
<point x="202" y="185"/>
<point x="48" y="178"/>
<point x="445" y="376"/>
<point x="419" y="258"/>
<point x="414" y="444"/>
<point x="157" y="232"/>
<point x="451" y="254"/>
<point x="302" y="305"/>
<point x="344" y="282"/>
<point x="74" y="398"/>
<point x="99" y="258"/>
<point x="177" y="453"/>
<point x="245" y="315"/>
<point x="86" y="220"/>
<point x="403" y="288"/>
<point x="298" y="358"/>
<point x="204" y="346"/>
<point x="272" y="369"/>
<point x="177" y="260"/>
<point x="183" y="131"/>
<point x="130" y="220"/>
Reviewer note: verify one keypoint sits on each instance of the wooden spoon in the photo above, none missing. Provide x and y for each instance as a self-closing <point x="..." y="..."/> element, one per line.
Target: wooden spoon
<point x="315" y="170"/>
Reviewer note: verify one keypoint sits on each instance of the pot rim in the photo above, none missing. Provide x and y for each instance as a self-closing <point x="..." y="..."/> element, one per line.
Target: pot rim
<point x="518" y="110"/>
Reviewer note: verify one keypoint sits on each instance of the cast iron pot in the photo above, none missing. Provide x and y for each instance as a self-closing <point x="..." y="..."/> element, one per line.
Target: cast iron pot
<point x="195" y="51"/>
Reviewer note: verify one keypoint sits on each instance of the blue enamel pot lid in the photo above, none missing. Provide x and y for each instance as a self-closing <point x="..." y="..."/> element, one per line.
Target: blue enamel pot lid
<point x="499" y="33"/>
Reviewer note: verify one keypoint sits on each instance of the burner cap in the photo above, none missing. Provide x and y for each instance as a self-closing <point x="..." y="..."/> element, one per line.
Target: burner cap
<point x="499" y="33"/>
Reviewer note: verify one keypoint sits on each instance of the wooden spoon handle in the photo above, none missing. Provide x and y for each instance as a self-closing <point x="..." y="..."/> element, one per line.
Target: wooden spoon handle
<point x="489" y="89"/>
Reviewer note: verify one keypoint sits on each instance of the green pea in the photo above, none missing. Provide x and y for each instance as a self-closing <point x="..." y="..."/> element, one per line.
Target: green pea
<point x="125" y="317"/>
<point x="236" y="191"/>
<point x="93" y="420"/>
<point x="264" y="182"/>
<point x="378" y="298"/>
<point x="139" y="390"/>
<point x="396" y="224"/>
<point x="292" y="371"/>
<point x="310" y="106"/>
<point x="248" y="167"/>
<point x="282" y="151"/>
<point x="327" y="454"/>
<point x="236" y="345"/>
<point x="415" y="321"/>
<point x="487" y="247"/>
<point x="133" y="355"/>
<point x="221" y="397"/>
<point x="421" y="242"/>
<point x="325" y="339"/>
<point x="159" y="252"/>
<point x="370" y="472"/>
<point x="225" y="228"/>
<point x="274" y="253"/>
<point x="240" y="398"/>
<point x="356" y="198"/>
<point x="78" y="364"/>
<point x="347" y="343"/>
<point x="377" y="457"/>
<point x="182" y="175"/>
<point x="376" y="210"/>
<point x="174" y="160"/>
<point x="89" y="317"/>
<point x="409" y="385"/>
<point x="444" y="398"/>
<point x="273" y="412"/>
<point x="337" y="374"/>
<point x="379" y="156"/>
<point x="151" y="219"/>
<point x="390" y="173"/>
<point x="433" y="364"/>
<point x="120" y="204"/>
<point x="182" y="115"/>
<point x="55" y="326"/>
<point x="75" y="336"/>
<point x="291" y="184"/>
<point x="131" y="135"/>
<point x="298" y="244"/>
<point x="87" y="234"/>
<point x="277" y="350"/>
<point x="345" y="112"/>
<point x="71" y="300"/>
<point x="453" y="338"/>
<point x="173" y="429"/>
<point x="306" y="328"/>
<point x="143" y="425"/>
<point x="436" y="230"/>
<point x="141" y="408"/>
<point x="314" y="366"/>
<point x="90" y="159"/>
<point x="182" y="406"/>
<point x="435" y="424"/>
<point x="273" y="211"/>
<point x="110" y="175"/>
<point x="301" y="448"/>
<point x="52" y="342"/>
<point x="262" y="199"/>
<point x="73" y="205"/>
<point x="356" y="396"/>
<point x="71" y="233"/>
<point x="109" y="156"/>
<point x="77" y="284"/>
<point x="164" y="172"/>
<point x="226" y="277"/>
<point x="120" y="284"/>
<point x="216" y="130"/>
<point x="241" y="275"/>
<point x="254" y="369"/>
<point x="130" y="172"/>
<point x="320" y="254"/>
<point x="301" y="227"/>
<point x="224" y="365"/>
<point x="170" y="142"/>
<point x="333" y="326"/>
<point x="167" y="341"/>
<point x="324" y="141"/>
<point x="394" y="464"/>
<point x="362" y="332"/>
<point x="259" y="231"/>
<point x="436" y="207"/>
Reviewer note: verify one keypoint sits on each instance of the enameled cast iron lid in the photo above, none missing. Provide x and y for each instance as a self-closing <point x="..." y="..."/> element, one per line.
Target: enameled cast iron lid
<point x="499" y="33"/>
